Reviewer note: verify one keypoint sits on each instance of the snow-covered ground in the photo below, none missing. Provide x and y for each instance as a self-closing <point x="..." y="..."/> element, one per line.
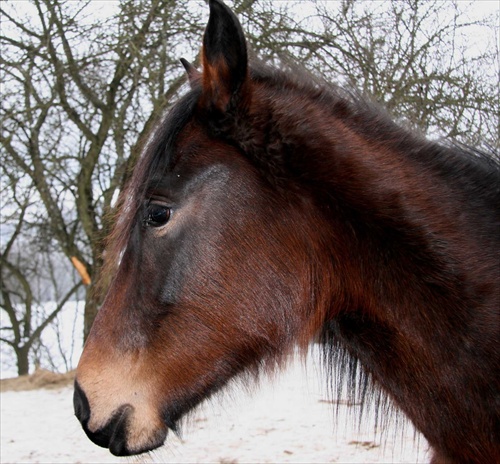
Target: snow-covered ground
<point x="288" y="420"/>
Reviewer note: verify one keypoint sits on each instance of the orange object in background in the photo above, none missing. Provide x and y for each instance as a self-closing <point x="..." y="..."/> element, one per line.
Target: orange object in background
<point x="82" y="270"/>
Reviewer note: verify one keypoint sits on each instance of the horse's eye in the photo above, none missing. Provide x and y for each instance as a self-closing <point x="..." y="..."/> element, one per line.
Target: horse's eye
<point x="156" y="215"/>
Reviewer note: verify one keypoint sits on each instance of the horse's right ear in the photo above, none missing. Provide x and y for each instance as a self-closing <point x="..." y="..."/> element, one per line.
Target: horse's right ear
<point x="225" y="79"/>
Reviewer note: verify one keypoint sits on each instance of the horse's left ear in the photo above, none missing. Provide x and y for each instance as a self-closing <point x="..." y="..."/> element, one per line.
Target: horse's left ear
<point x="193" y="74"/>
<point x="225" y="63"/>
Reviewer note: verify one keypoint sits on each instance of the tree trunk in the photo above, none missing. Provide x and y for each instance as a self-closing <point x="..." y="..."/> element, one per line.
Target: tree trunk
<point x="96" y="291"/>
<point x="23" y="363"/>
<point x="92" y="303"/>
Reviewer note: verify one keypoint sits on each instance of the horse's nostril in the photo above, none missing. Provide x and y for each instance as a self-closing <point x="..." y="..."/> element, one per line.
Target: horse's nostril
<point x="81" y="404"/>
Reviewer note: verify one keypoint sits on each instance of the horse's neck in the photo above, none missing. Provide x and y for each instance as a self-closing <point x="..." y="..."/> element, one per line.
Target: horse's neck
<point x="396" y="223"/>
<point x="378" y="177"/>
<point x="398" y="206"/>
<point x="413" y="260"/>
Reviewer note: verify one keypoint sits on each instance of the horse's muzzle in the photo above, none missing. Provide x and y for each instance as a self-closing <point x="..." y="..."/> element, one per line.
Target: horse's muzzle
<point x="114" y="434"/>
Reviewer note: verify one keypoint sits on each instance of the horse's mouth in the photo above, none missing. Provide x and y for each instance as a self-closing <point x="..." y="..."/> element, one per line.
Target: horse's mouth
<point x="116" y="433"/>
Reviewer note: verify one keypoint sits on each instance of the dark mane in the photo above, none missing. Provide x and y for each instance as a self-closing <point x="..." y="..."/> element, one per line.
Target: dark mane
<point x="371" y="120"/>
<point x="368" y="117"/>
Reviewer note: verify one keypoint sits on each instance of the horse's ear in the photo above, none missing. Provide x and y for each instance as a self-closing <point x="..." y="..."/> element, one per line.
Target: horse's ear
<point x="225" y="62"/>
<point x="193" y="74"/>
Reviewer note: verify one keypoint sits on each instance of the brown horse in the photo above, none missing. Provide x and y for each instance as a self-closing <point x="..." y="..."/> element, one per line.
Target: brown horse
<point x="271" y="210"/>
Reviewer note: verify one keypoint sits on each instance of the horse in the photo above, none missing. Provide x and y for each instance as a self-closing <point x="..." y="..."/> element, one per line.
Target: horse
<point x="271" y="210"/>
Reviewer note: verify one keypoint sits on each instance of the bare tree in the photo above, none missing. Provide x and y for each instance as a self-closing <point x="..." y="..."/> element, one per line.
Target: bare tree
<point x="74" y="109"/>
<point x="26" y="274"/>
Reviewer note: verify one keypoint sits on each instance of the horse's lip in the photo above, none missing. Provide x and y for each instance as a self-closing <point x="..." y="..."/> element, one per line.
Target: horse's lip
<point x="114" y="434"/>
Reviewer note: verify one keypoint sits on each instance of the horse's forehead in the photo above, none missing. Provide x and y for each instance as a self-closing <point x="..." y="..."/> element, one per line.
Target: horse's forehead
<point x="193" y="149"/>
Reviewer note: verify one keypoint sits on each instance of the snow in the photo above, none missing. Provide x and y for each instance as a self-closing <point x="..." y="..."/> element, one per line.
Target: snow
<point x="288" y="420"/>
